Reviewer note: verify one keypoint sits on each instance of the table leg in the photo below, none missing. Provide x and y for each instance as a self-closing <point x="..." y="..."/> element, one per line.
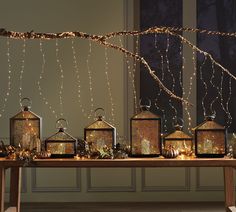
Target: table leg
<point x="229" y="188"/>
<point x="2" y="187"/>
<point x="15" y="188"/>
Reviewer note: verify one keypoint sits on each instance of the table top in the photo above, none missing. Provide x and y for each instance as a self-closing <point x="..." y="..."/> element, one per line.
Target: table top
<point x="129" y="162"/>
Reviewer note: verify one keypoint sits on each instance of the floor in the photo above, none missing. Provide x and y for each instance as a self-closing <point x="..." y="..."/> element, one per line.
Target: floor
<point x="122" y="207"/>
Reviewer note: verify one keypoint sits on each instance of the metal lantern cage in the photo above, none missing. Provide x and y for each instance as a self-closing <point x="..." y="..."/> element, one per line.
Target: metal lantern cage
<point x="210" y="139"/>
<point x="61" y="144"/>
<point x="179" y="140"/>
<point x="145" y="133"/>
<point x="100" y="133"/>
<point x="25" y="127"/>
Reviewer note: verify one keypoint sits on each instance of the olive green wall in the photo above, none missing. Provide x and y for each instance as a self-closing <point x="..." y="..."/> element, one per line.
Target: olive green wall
<point x="95" y="17"/>
<point x="101" y="16"/>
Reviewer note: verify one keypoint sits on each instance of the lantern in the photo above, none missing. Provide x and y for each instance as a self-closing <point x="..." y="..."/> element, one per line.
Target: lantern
<point x="25" y="127"/>
<point x="179" y="140"/>
<point x="100" y="133"/>
<point x="145" y="133"/>
<point x="210" y="139"/>
<point x="61" y="144"/>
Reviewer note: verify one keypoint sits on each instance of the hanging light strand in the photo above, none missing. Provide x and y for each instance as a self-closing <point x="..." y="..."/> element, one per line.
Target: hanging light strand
<point x="41" y="75"/>
<point x="160" y="90"/>
<point x="185" y="106"/>
<point x="174" y="119"/>
<point x="22" y="69"/>
<point x="132" y="72"/>
<point x="229" y="121"/>
<point x="90" y="81"/>
<point x="9" y="79"/>
<point x="214" y="87"/>
<point x="61" y="72"/>
<point x="109" y="88"/>
<point x="77" y="74"/>
<point x="204" y="85"/>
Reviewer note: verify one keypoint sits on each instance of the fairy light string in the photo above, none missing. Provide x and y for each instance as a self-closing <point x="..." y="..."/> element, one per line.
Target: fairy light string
<point x="91" y="114"/>
<point x="174" y="118"/>
<point x="61" y="72"/>
<point x="229" y="121"/>
<point x="204" y="85"/>
<point x="77" y="74"/>
<point x="156" y="103"/>
<point x="109" y="88"/>
<point x="22" y="69"/>
<point x="9" y="79"/>
<point x="132" y="71"/>
<point x="39" y="82"/>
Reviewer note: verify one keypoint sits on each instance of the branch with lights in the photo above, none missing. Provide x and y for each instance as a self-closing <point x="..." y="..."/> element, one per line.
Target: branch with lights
<point x="102" y="39"/>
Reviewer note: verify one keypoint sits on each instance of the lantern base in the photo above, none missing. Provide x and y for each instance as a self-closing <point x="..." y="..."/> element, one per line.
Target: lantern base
<point x="144" y="156"/>
<point x="62" y="155"/>
<point x="210" y="155"/>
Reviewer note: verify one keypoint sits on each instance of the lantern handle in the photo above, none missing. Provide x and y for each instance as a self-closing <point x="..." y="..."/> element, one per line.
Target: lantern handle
<point x="97" y="115"/>
<point x="178" y="124"/>
<point x="25" y="103"/>
<point x="145" y="106"/>
<point x="210" y="117"/>
<point x="59" y="124"/>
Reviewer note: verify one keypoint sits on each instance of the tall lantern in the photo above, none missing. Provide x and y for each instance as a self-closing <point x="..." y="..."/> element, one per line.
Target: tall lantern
<point x="179" y="140"/>
<point x="61" y="144"/>
<point x="210" y="139"/>
<point x="145" y="133"/>
<point x="25" y="127"/>
<point x="100" y="133"/>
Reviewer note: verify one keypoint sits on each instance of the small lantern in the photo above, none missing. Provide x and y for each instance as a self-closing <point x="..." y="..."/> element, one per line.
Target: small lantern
<point x="145" y="133"/>
<point x="210" y="139"/>
<point x="180" y="141"/>
<point x="61" y="144"/>
<point x="100" y="133"/>
<point x="25" y="127"/>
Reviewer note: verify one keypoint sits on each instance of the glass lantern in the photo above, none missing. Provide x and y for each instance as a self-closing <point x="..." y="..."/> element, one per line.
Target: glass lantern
<point x="61" y="144"/>
<point x="210" y="139"/>
<point x="25" y="127"/>
<point x="180" y="141"/>
<point x="145" y="133"/>
<point x="100" y="133"/>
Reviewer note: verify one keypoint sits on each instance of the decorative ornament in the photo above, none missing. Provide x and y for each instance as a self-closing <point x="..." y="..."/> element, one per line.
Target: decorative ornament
<point x="26" y="128"/>
<point x="170" y="152"/>
<point x="61" y="144"/>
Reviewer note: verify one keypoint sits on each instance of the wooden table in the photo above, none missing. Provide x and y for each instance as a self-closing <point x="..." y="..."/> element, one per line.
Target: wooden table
<point x="227" y="164"/>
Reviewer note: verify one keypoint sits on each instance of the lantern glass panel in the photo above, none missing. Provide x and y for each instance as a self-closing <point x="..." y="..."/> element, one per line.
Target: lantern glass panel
<point x="180" y="141"/>
<point x="61" y="145"/>
<point x="25" y="128"/>
<point x="100" y="134"/>
<point x="210" y="139"/>
<point x="211" y="142"/>
<point x="145" y="134"/>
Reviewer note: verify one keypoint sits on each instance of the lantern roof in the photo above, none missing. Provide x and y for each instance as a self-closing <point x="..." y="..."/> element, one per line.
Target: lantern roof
<point x="145" y="114"/>
<point x="61" y="135"/>
<point x="26" y="114"/>
<point x="178" y="134"/>
<point x="100" y="124"/>
<point x="208" y="125"/>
